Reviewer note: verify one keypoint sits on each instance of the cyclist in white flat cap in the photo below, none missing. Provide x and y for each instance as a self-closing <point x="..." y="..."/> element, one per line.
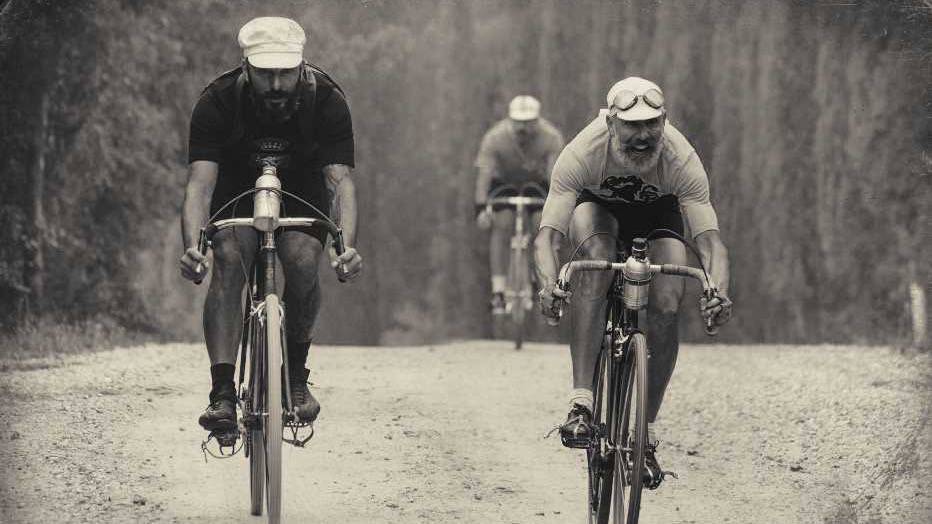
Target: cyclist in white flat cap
<point x="514" y="151"/>
<point x="625" y="174"/>
<point x="274" y="100"/>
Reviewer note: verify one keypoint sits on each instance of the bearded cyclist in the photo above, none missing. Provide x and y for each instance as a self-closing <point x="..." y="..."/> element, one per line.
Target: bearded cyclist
<point x="515" y="151"/>
<point x="274" y="100"/>
<point x="626" y="174"/>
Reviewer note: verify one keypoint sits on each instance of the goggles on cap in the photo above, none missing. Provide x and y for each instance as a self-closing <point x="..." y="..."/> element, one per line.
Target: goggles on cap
<point x="626" y="99"/>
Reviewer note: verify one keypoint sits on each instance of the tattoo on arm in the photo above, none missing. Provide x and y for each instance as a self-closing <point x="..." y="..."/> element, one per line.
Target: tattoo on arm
<point x="343" y="199"/>
<point x="334" y="175"/>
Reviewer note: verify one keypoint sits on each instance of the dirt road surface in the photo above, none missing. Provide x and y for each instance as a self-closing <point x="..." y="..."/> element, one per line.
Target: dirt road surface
<point x="455" y="433"/>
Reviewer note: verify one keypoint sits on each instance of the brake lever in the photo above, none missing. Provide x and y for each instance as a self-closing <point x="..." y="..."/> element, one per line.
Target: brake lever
<point x="339" y="249"/>
<point x="202" y="246"/>
<point x="710" y="328"/>
<point x="557" y="307"/>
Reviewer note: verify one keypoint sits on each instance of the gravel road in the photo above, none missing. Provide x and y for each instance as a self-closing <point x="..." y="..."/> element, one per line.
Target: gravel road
<point x="455" y="433"/>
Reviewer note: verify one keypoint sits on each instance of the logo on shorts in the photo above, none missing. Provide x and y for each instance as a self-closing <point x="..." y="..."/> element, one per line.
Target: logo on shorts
<point x="629" y="189"/>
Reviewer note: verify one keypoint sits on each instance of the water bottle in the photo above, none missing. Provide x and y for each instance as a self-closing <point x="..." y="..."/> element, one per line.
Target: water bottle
<point x="637" y="276"/>
<point x="267" y="201"/>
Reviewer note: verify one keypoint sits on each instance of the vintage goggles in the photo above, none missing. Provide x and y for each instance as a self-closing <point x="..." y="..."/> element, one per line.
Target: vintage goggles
<point x="626" y="99"/>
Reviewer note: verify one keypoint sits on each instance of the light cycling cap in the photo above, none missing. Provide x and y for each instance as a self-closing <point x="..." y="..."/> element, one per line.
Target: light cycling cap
<point x="272" y="42"/>
<point x="524" y="107"/>
<point x="641" y="110"/>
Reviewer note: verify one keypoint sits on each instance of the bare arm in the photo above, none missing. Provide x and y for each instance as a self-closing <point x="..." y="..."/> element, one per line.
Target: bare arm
<point x="551" y="160"/>
<point x="483" y="183"/>
<point x="546" y="259"/>
<point x="715" y="258"/>
<point x="202" y="178"/>
<point x="343" y="194"/>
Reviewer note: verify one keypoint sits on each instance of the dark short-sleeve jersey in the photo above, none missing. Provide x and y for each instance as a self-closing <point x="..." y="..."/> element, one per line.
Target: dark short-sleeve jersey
<point x="225" y="130"/>
<point x="213" y="123"/>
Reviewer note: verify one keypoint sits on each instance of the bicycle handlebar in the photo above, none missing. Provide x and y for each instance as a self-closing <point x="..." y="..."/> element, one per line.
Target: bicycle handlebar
<point x="566" y="273"/>
<point x="208" y="232"/>
<point x="515" y="201"/>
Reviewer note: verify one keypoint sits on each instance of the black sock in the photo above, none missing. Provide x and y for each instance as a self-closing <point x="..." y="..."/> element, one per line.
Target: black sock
<point x="297" y="354"/>
<point x="221" y="375"/>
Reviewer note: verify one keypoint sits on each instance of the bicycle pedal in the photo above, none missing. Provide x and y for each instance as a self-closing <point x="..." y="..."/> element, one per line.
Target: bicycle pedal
<point x="295" y="428"/>
<point x="575" y="443"/>
<point x="225" y="438"/>
<point x="652" y="482"/>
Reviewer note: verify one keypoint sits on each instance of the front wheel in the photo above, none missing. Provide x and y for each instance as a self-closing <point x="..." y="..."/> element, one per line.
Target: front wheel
<point x="630" y="435"/>
<point x="272" y="425"/>
<point x="254" y="404"/>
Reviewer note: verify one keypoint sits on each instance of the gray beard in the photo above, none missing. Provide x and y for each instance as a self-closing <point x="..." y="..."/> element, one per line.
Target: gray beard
<point x="636" y="165"/>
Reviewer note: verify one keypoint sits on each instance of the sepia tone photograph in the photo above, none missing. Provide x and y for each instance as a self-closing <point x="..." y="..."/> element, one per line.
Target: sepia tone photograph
<point x="465" y="261"/>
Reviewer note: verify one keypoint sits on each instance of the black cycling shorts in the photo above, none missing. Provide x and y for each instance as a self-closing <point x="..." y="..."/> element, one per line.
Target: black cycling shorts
<point x="310" y="187"/>
<point x="639" y="219"/>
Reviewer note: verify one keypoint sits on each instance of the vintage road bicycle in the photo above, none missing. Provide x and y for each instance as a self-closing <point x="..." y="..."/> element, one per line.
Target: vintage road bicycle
<point x="519" y="288"/>
<point x="615" y="450"/>
<point x="264" y="402"/>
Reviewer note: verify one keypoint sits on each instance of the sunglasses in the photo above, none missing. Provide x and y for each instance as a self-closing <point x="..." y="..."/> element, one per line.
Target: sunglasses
<point x="625" y="100"/>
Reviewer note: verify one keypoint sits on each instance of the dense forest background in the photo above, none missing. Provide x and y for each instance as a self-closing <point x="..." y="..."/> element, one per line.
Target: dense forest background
<point x="812" y="118"/>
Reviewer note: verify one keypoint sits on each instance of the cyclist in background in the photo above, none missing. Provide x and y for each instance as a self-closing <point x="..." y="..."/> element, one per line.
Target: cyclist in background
<point x="625" y="174"/>
<point x="517" y="150"/>
<point x="275" y="97"/>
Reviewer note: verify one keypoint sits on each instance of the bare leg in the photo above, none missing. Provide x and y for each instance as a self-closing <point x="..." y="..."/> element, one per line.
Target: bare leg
<point x="589" y="295"/>
<point x="234" y="250"/>
<point x="300" y="255"/>
<point x="663" y="339"/>
<point x="503" y="225"/>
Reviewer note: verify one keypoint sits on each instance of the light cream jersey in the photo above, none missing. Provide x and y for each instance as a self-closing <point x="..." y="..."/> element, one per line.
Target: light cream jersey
<point x="582" y="165"/>
<point x="512" y="164"/>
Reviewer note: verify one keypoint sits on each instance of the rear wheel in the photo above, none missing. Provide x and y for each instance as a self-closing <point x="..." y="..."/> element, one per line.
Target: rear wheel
<point x="631" y="432"/>
<point x="599" y="456"/>
<point x="272" y="428"/>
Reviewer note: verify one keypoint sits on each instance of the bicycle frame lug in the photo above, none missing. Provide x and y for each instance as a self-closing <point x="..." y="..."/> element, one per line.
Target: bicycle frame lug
<point x="619" y="343"/>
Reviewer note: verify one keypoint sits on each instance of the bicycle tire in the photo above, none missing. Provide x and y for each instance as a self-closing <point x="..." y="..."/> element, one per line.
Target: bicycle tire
<point x="272" y="428"/>
<point x="629" y="466"/>
<point x="599" y="463"/>
<point x="255" y="404"/>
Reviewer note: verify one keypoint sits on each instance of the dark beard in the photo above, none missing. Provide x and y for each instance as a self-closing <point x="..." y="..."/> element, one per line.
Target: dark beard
<point x="277" y="114"/>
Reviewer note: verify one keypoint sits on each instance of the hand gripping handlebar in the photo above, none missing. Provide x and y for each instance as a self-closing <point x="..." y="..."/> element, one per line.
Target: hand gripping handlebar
<point x="208" y="232"/>
<point x="566" y="273"/>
